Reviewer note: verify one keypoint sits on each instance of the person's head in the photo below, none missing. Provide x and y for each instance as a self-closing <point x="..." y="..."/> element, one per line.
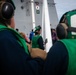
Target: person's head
<point x="6" y="14"/>
<point x="65" y="31"/>
<point x="53" y="30"/>
<point x="32" y="30"/>
<point x="17" y="29"/>
<point x="37" y="30"/>
<point x="22" y="34"/>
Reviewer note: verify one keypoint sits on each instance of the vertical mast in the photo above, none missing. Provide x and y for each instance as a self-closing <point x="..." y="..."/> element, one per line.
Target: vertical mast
<point x="46" y="22"/>
<point x="33" y="13"/>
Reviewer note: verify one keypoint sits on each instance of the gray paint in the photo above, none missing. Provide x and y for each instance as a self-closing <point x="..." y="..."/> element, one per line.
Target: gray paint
<point x="23" y="18"/>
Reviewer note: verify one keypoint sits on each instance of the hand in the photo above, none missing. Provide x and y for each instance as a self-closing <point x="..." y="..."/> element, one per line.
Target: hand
<point x="29" y="47"/>
<point x="36" y="52"/>
<point x="46" y="41"/>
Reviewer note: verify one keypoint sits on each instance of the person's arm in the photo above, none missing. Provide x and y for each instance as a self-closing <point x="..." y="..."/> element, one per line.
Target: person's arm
<point x="57" y="60"/>
<point x="40" y="42"/>
<point x="14" y="60"/>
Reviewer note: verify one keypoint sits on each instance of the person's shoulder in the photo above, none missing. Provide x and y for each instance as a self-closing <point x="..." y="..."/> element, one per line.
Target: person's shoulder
<point x="40" y="37"/>
<point x="5" y="34"/>
<point x="58" y="48"/>
<point x="58" y="45"/>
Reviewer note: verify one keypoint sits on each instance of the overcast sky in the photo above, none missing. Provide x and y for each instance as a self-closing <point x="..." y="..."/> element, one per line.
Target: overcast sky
<point x="63" y="6"/>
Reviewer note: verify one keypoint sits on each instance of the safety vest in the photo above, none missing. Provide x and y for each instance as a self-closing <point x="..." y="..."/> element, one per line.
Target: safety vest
<point x="20" y="40"/>
<point x="70" y="44"/>
<point x="35" y="41"/>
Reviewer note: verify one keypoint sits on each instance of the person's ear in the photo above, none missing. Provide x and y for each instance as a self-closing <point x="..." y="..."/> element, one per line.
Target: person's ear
<point x="6" y="10"/>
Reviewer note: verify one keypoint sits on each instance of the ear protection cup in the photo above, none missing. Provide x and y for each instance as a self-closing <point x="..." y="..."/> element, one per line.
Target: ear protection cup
<point x="6" y="10"/>
<point x="61" y="30"/>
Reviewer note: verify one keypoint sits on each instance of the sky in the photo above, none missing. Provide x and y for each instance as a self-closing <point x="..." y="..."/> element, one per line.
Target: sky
<point x="63" y="6"/>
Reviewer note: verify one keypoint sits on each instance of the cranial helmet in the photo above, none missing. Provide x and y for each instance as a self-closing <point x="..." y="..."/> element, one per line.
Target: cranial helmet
<point x="67" y="26"/>
<point x="6" y="10"/>
<point x="37" y="28"/>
